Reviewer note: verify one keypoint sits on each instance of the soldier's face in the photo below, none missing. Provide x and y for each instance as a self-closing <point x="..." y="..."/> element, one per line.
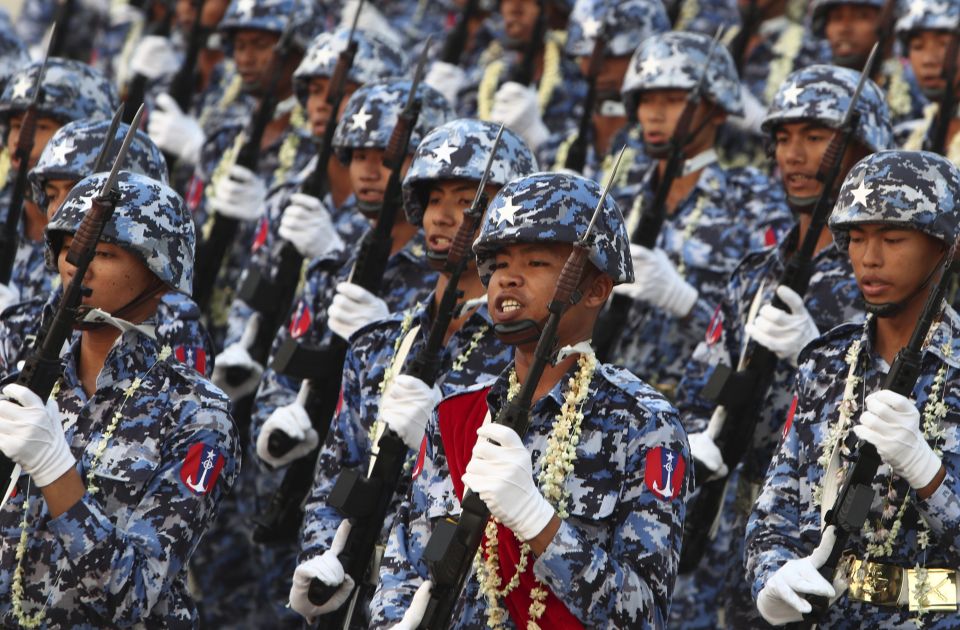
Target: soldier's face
<point x="446" y="203"/>
<point x="519" y="18"/>
<point x="612" y="71"/>
<point x="56" y="191"/>
<point x="659" y="110"/>
<point x="927" y="52"/>
<point x="46" y="127"/>
<point x="890" y="263"/>
<point x="851" y="30"/>
<point x="115" y="276"/>
<point x="369" y="175"/>
<point x="253" y="54"/>
<point x="318" y="110"/>
<point x="799" y="149"/>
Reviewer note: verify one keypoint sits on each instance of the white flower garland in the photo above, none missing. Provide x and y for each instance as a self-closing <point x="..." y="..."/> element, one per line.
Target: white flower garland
<point x="550" y="79"/>
<point x="561" y="452"/>
<point x="693" y="222"/>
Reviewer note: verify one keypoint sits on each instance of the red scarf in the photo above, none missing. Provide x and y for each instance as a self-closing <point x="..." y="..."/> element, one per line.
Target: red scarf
<point x="460" y="417"/>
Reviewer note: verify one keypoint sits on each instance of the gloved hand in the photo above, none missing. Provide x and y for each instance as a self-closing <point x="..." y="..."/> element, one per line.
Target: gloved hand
<point x="891" y="423"/>
<point x="240" y="195"/>
<point x="293" y="420"/>
<point x="753" y="113"/>
<point x="517" y="106"/>
<point x="447" y="79"/>
<point x="779" y="601"/>
<point x="306" y="223"/>
<point x="31" y="434"/>
<point x="658" y="283"/>
<point x="784" y="333"/>
<point x="154" y="57"/>
<point x="418" y="606"/>
<point x="371" y="19"/>
<point x="174" y="131"/>
<point x="352" y="308"/>
<point x="328" y="569"/>
<point x="8" y="295"/>
<point x="235" y="361"/>
<point x="118" y="13"/>
<point x="406" y="406"/>
<point x="705" y="450"/>
<point x="501" y="473"/>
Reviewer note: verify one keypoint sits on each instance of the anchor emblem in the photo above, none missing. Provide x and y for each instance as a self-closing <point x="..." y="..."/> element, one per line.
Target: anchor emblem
<point x="667" y="490"/>
<point x="200" y="486"/>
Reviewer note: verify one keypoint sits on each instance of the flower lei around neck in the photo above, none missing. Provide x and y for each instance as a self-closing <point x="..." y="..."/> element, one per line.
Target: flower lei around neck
<point x="550" y="79"/>
<point x="561" y="452"/>
<point x="16" y="590"/>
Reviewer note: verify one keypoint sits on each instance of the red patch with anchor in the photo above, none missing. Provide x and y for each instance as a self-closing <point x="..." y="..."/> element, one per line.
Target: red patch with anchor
<point x="790" y="414"/>
<point x="664" y="473"/>
<point x="201" y="468"/>
<point x="715" y="327"/>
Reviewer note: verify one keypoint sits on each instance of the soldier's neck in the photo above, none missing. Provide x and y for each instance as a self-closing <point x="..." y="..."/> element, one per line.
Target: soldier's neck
<point x="552" y="374"/>
<point x="94" y="347"/>
<point x="680" y="188"/>
<point x="274" y="130"/>
<point x="803" y="223"/>
<point x="471" y="287"/>
<point x="893" y="333"/>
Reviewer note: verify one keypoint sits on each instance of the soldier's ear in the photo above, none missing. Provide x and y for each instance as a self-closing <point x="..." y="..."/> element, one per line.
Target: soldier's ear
<point x="598" y="288"/>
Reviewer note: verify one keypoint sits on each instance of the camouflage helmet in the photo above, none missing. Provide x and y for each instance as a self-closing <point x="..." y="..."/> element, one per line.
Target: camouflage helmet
<point x="150" y="221"/>
<point x="72" y="151"/>
<point x="273" y="16"/>
<point x="914" y="189"/>
<point x="375" y="60"/>
<point x="928" y="15"/>
<point x="459" y="150"/>
<point x="675" y="60"/>
<point x="821" y="8"/>
<point x="554" y="208"/>
<point x="372" y="113"/>
<point x="71" y="90"/>
<point x="13" y="53"/>
<point x="626" y="22"/>
<point x="822" y="93"/>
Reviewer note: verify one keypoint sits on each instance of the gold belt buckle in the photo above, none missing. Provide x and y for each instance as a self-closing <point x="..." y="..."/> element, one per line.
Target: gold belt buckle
<point x="875" y="583"/>
<point x="939" y="591"/>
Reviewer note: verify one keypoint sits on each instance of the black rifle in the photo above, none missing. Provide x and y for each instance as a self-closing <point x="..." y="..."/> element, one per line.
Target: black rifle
<point x="323" y="367"/>
<point x="456" y="41"/>
<point x="366" y="499"/>
<point x="10" y="238"/>
<point x="524" y="71"/>
<point x="43" y="367"/>
<point x="888" y="15"/>
<point x="61" y="26"/>
<point x="453" y="544"/>
<point x="611" y="321"/>
<point x="577" y="151"/>
<point x="946" y="106"/>
<point x="742" y="392"/>
<point x="223" y="231"/>
<point x="137" y="88"/>
<point x="856" y="494"/>
<point x="738" y="47"/>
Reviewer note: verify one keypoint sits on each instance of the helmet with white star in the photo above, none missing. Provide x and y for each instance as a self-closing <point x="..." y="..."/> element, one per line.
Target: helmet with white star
<point x="822" y="94"/>
<point x="373" y="110"/>
<point x="272" y="16"/>
<point x="928" y="15"/>
<point x="917" y="190"/>
<point x="555" y="208"/>
<point x="376" y="60"/>
<point x="459" y="150"/>
<point x="821" y="9"/>
<point x="71" y="90"/>
<point x="675" y="61"/>
<point x="624" y="23"/>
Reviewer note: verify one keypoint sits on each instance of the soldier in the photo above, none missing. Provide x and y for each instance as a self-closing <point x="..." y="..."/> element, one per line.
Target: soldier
<point x="802" y="120"/>
<point x="105" y="542"/>
<point x="593" y="523"/>
<point x="897" y="218"/>
<point x="714" y="216"/>
<point x="70" y="91"/>
<point x="438" y="188"/>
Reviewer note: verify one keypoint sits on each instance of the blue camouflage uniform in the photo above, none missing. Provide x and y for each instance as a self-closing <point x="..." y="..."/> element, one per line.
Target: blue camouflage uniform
<point x="614" y="558"/>
<point x="120" y="552"/>
<point x="913" y="191"/>
<point x="701" y="16"/>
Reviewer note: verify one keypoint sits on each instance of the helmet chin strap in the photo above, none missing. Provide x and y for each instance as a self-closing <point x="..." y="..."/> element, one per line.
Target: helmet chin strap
<point x="853" y="62"/>
<point x="802" y="205"/>
<point x="369" y="208"/>
<point x="892" y="309"/>
<point x="96" y="319"/>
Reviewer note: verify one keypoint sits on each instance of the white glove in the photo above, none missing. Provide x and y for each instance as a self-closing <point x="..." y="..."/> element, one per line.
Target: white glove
<point x="418" y="605"/>
<point x="8" y="295"/>
<point x="517" y="106"/>
<point x="501" y="473"/>
<point x="174" y="131"/>
<point x="447" y="79"/>
<point x="891" y="423"/>
<point x="352" y="308"/>
<point x="154" y="57"/>
<point x="328" y="569"/>
<point x="237" y="357"/>
<point x="118" y="13"/>
<point x="293" y="420"/>
<point x="406" y="406"/>
<point x="705" y="450"/>
<point x="786" y="334"/>
<point x="306" y="223"/>
<point x="779" y="602"/>
<point x="658" y="283"/>
<point x="240" y="195"/>
<point x="753" y="114"/>
<point x="31" y="434"/>
<point x="371" y="19"/>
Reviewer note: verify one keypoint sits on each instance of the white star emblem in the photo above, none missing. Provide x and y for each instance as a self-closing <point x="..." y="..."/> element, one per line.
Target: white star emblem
<point x="591" y="28"/>
<point x="325" y="56"/>
<point x="60" y="152"/>
<point x="508" y="213"/>
<point x="444" y="151"/>
<point x="649" y="66"/>
<point x="245" y="7"/>
<point x="360" y="119"/>
<point x="22" y="87"/>
<point x="861" y="192"/>
<point x="792" y="93"/>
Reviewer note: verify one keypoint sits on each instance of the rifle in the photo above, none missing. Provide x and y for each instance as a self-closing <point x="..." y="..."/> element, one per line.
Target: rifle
<point x="577" y="151"/>
<point x="453" y="544"/>
<point x="43" y="367"/>
<point x="740" y="394"/>
<point x="323" y="367"/>
<point x="937" y="142"/>
<point x="56" y="47"/>
<point x="612" y="320"/>
<point x="888" y="15"/>
<point x="738" y="47"/>
<point x="366" y="500"/>
<point x="850" y="510"/>
<point x="456" y="40"/>
<point x="137" y="89"/>
<point x="523" y="72"/>
<point x="223" y="231"/>
<point x="25" y="143"/>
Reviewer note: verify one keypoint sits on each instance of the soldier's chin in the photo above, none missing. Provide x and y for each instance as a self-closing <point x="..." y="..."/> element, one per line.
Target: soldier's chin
<point x="437" y="260"/>
<point x="517" y="333"/>
<point x="853" y="62"/>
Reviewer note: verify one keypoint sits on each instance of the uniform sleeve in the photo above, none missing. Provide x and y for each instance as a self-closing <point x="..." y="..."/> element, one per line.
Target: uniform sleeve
<point x="123" y="570"/>
<point x="942" y="509"/>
